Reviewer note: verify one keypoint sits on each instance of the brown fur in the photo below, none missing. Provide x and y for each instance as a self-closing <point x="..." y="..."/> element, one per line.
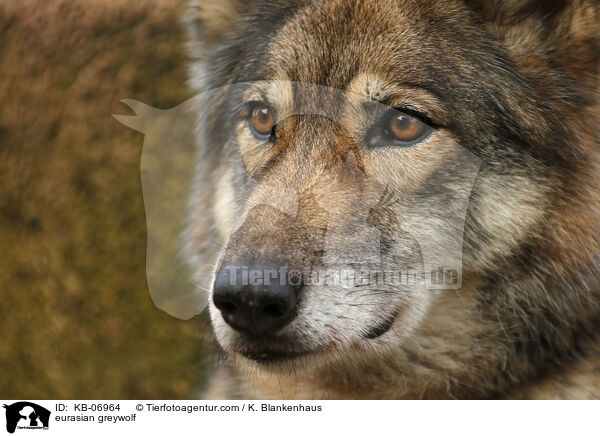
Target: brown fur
<point x="516" y="84"/>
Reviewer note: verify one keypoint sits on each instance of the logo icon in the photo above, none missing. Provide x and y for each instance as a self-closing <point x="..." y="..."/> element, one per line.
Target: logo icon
<point x="26" y="415"/>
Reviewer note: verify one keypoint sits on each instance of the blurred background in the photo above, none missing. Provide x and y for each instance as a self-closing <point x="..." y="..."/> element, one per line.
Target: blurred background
<point x="76" y="318"/>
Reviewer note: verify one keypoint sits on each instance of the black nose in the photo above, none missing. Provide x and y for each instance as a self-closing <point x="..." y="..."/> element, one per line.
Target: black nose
<point x="257" y="299"/>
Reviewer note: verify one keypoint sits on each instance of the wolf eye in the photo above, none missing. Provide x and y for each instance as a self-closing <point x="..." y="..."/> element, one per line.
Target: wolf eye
<point x="405" y="128"/>
<point x="261" y="121"/>
<point x="398" y="128"/>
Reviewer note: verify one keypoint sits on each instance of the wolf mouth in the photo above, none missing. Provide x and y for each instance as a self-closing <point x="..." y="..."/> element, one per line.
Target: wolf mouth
<point x="270" y="356"/>
<point x="272" y="350"/>
<point x="273" y="355"/>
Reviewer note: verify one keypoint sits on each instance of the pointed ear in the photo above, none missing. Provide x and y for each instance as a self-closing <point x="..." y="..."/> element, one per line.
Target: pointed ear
<point x="208" y="21"/>
<point x="544" y="35"/>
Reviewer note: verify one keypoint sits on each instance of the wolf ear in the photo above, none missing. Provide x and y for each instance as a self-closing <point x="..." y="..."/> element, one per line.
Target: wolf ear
<point x="548" y="34"/>
<point x="208" y="21"/>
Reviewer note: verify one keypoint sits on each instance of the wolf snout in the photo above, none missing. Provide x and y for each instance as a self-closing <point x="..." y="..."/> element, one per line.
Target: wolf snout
<point x="258" y="299"/>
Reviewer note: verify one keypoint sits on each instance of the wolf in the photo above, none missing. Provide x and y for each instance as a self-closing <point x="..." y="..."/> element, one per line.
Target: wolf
<point x="373" y="135"/>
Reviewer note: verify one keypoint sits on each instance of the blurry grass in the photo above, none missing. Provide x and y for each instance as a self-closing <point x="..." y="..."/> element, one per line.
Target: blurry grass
<point x="76" y="319"/>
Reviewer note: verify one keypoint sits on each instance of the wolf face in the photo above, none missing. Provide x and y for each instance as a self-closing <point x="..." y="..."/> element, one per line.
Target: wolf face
<point x="380" y="144"/>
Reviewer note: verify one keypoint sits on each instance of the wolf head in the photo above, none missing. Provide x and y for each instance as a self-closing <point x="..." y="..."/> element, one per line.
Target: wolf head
<point x="393" y="141"/>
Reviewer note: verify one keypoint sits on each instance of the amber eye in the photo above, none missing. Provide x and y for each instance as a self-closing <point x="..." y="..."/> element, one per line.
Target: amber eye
<point x="405" y="128"/>
<point x="398" y="128"/>
<point x="261" y="121"/>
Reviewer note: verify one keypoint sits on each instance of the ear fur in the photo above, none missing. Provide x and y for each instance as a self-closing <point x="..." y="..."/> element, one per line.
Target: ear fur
<point x="209" y="20"/>
<point x="207" y="23"/>
<point x="543" y="35"/>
